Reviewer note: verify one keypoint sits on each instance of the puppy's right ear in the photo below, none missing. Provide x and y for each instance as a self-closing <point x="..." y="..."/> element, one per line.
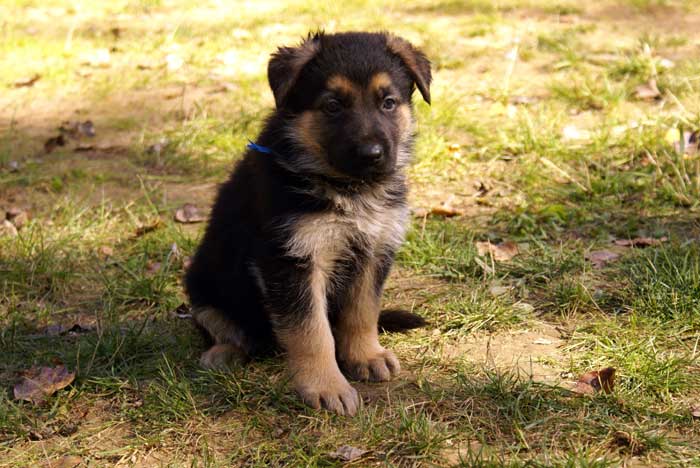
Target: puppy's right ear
<point x="286" y="64"/>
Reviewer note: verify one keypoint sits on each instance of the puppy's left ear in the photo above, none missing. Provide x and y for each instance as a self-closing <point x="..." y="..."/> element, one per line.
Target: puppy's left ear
<point x="417" y="63"/>
<point x="286" y="64"/>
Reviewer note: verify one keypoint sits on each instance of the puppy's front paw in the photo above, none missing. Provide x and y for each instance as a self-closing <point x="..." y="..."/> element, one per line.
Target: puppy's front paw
<point x="331" y="392"/>
<point x="379" y="365"/>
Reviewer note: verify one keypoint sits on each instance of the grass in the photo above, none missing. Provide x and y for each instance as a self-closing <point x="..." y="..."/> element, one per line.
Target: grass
<point x="535" y="135"/>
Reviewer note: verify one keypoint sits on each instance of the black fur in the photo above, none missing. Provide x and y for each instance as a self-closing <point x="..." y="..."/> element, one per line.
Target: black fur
<point x="250" y="222"/>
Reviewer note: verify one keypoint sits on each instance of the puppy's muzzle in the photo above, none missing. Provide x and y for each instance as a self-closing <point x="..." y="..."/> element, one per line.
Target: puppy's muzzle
<point x="371" y="154"/>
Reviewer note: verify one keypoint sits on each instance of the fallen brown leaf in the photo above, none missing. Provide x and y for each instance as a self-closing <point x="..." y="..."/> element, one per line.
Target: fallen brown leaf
<point x="52" y="143"/>
<point x="17" y="216"/>
<point x="695" y="411"/>
<point x="500" y="252"/>
<point x="628" y="442"/>
<point x="594" y="381"/>
<point x="69" y="461"/>
<point x="188" y="213"/>
<point x="640" y="242"/>
<point x="690" y="144"/>
<point x="158" y="147"/>
<point x="153" y="267"/>
<point x="348" y="453"/>
<point x="183" y="311"/>
<point x="7" y="229"/>
<point x="600" y="258"/>
<point x="78" y="129"/>
<point x="27" y="81"/>
<point x="146" y="228"/>
<point x="106" y="251"/>
<point x="647" y="91"/>
<point x="445" y="211"/>
<point x="39" y="383"/>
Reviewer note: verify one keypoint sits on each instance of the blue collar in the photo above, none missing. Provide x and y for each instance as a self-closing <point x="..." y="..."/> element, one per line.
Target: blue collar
<point x="260" y="148"/>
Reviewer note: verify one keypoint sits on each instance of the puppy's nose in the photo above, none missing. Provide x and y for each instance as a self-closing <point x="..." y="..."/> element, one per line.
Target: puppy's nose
<point x="372" y="152"/>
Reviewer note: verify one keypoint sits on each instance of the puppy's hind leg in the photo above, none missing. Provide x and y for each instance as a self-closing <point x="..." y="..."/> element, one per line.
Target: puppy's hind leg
<point x="229" y="344"/>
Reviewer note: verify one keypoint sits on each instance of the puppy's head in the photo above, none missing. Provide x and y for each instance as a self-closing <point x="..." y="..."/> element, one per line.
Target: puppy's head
<point x="348" y="100"/>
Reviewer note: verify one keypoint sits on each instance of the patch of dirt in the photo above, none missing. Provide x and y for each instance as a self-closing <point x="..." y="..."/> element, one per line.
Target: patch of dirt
<point x="534" y="352"/>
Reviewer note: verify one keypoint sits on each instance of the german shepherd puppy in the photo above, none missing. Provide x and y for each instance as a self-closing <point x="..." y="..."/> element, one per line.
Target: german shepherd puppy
<point x="303" y="234"/>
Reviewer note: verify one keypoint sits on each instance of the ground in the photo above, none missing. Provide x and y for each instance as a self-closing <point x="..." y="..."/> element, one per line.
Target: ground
<point x="539" y="137"/>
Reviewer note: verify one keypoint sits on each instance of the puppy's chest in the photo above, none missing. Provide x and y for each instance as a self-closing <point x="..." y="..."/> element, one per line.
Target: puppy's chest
<point x="330" y="235"/>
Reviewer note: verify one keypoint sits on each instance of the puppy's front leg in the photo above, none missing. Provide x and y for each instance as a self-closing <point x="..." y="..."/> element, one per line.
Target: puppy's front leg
<point x="301" y="325"/>
<point x="359" y="351"/>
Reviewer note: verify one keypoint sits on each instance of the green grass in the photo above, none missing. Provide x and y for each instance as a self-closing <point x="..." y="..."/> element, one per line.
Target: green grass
<point x="487" y="383"/>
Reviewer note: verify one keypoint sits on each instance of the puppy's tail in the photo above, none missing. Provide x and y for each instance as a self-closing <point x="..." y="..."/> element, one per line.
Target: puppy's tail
<point x="397" y="320"/>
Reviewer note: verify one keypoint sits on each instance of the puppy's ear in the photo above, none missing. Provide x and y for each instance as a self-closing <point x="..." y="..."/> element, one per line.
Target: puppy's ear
<point x="286" y="64"/>
<point x="415" y="61"/>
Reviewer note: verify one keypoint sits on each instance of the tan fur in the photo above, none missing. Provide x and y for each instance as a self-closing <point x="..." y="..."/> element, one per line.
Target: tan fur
<point x="312" y="157"/>
<point x="343" y="85"/>
<point x="221" y="329"/>
<point x="222" y="356"/>
<point x="356" y="334"/>
<point x="229" y="343"/>
<point x="310" y="347"/>
<point x="308" y="129"/>
<point x="407" y="53"/>
<point x="379" y="81"/>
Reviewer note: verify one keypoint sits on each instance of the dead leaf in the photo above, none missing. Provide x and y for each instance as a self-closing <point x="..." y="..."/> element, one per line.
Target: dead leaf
<point x="595" y="381"/>
<point x="158" y="147"/>
<point x="695" y="411"/>
<point x="106" y="251"/>
<point x="27" y="81"/>
<point x="76" y="329"/>
<point x="500" y="252"/>
<point x="81" y="148"/>
<point x="17" y="216"/>
<point x="146" y="228"/>
<point x="445" y="211"/>
<point x="7" y="229"/>
<point x="186" y="262"/>
<point x="153" y="267"/>
<point x="348" y="453"/>
<point x="52" y="143"/>
<point x="542" y="341"/>
<point x="498" y="290"/>
<point x="37" y="384"/>
<point x="600" y="258"/>
<point x="482" y="188"/>
<point x="687" y="143"/>
<point x="69" y="461"/>
<point x="13" y="166"/>
<point x="647" y="91"/>
<point x="188" y="213"/>
<point x="76" y="130"/>
<point x="640" y="242"/>
<point x="183" y="311"/>
<point x="628" y="442"/>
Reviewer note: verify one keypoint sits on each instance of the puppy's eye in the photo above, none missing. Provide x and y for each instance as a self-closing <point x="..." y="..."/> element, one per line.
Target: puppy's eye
<point x="332" y="106"/>
<point x="389" y="104"/>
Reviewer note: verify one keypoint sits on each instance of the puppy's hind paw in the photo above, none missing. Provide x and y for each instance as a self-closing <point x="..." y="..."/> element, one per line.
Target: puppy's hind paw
<point x="222" y="356"/>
